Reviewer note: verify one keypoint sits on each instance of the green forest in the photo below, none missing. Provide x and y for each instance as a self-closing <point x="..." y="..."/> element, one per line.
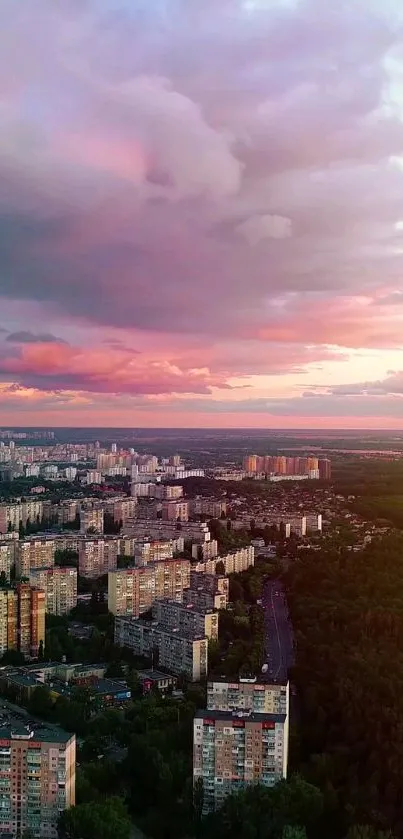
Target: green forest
<point x="347" y="612"/>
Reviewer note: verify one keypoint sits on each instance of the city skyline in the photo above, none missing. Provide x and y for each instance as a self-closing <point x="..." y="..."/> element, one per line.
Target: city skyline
<point x="201" y="214"/>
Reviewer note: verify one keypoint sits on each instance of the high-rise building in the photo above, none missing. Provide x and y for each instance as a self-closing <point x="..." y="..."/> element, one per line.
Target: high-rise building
<point x="175" y="511"/>
<point x="232" y="750"/>
<point x="132" y="591"/>
<point x="20" y="513"/>
<point x="207" y="591"/>
<point x="205" y="550"/>
<point x="60" y="587"/>
<point x="7" y="557"/>
<point x="97" y="556"/>
<point x="250" y="463"/>
<point x="37" y="779"/>
<point x="121" y="509"/>
<point x="233" y="562"/>
<point x="241" y="738"/>
<point x="175" y="651"/>
<point x="186" y="618"/>
<point x="91" y="519"/>
<point x="34" y="553"/>
<point x="210" y="508"/>
<point x="325" y="469"/>
<point x="22" y="619"/>
<point x="248" y="694"/>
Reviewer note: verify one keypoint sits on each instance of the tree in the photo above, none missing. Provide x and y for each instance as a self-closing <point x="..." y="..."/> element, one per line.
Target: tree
<point x="40" y="702"/>
<point x="220" y="567"/>
<point x="294" y="833"/>
<point x="106" y="819"/>
<point x="3" y="579"/>
<point x="365" y="832"/>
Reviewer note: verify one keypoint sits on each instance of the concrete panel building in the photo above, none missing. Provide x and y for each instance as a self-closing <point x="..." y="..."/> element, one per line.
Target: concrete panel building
<point x="38" y="777"/>
<point x="176" y="652"/>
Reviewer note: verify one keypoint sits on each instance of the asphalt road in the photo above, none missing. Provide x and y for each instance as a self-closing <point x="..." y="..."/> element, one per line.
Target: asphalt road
<point x="278" y="631"/>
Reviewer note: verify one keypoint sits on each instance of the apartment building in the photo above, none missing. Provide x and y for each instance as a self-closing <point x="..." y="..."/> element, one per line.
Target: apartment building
<point x="60" y="587"/>
<point x="233" y="562"/>
<point x="175" y="511"/>
<point x="314" y="522"/>
<point x="150" y="550"/>
<point x="19" y="513"/>
<point x="121" y="509"/>
<point x="38" y="777"/>
<point x="66" y="511"/>
<point x="257" y="695"/>
<point x="205" y="550"/>
<point x="34" y="553"/>
<point x="97" y="556"/>
<point x="207" y="591"/>
<point x="22" y="619"/>
<point x="91" y="519"/>
<point x="325" y="469"/>
<point x="8" y="620"/>
<point x="132" y="591"/>
<point x="176" y="652"/>
<point x="234" y="749"/>
<point x="7" y="557"/>
<point x="186" y="618"/>
<point x="191" y="531"/>
<point x="210" y="508"/>
<point x="170" y="492"/>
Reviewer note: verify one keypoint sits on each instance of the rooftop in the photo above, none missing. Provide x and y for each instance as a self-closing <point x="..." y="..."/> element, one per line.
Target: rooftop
<point x="15" y="726"/>
<point x="264" y="679"/>
<point x="154" y="675"/>
<point x="216" y="716"/>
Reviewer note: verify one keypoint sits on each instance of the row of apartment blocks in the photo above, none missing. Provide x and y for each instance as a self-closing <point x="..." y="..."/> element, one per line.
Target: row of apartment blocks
<point x="191" y="531"/>
<point x="132" y="591"/>
<point x="232" y="563"/>
<point x="22" y="619"/>
<point x="97" y="554"/>
<point x="91" y="514"/>
<point x="241" y="738"/>
<point x="300" y="525"/>
<point x="179" y="632"/>
<point x="280" y="465"/>
<point x="22" y="512"/>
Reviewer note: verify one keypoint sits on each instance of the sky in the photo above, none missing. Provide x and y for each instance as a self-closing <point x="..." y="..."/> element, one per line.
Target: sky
<point x="201" y="213"/>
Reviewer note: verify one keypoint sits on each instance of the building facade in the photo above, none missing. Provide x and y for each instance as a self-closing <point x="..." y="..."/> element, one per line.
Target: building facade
<point x="177" y="653"/>
<point x="34" y="553"/>
<point x="232" y="750"/>
<point x="37" y="780"/>
<point x="97" y="557"/>
<point x="91" y="519"/>
<point x="132" y="591"/>
<point x="186" y="618"/>
<point x="60" y="587"/>
<point x="210" y="591"/>
<point x="22" y="619"/>
<point x="7" y="557"/>
<point x="233" y="562"/>
<point x="175" y="510"/>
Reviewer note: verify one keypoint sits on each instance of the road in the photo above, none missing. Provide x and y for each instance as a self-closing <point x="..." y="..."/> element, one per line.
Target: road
<point x="278" y="631"/>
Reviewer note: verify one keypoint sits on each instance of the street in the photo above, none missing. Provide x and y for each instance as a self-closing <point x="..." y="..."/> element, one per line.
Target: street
<point x="278" y="631"/>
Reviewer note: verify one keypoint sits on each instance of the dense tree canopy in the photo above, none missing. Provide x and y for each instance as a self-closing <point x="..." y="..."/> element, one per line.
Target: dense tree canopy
<point x="347" y="611"/>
